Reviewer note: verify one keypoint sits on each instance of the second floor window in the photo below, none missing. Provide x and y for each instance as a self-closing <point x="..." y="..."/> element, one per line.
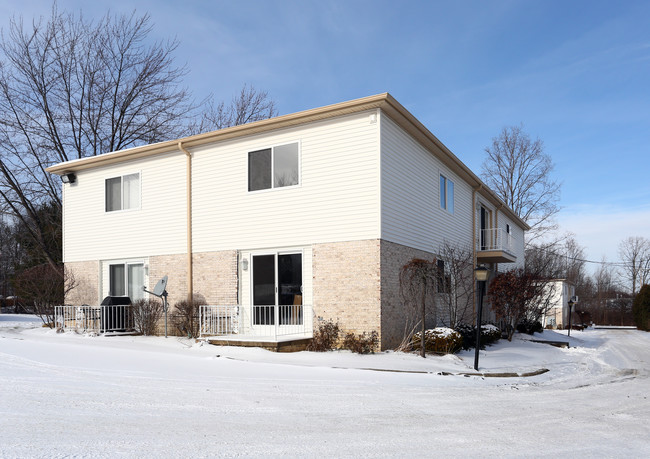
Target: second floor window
<point x="274" y="167"/>
<point x="123" y="192"/>
<point x="446" y="194"/>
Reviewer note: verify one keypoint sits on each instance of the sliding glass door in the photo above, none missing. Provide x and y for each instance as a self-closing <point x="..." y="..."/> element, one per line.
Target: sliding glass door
<point x="277" y="288"/>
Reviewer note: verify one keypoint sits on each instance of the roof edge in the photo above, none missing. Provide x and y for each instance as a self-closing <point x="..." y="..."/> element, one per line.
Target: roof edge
<point x="384" y="101"/>
<point x="292" y="119"/>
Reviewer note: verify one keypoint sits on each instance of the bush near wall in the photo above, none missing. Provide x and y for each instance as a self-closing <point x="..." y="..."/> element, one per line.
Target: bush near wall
<point x="440" y="340"/>
<point x="363" y="343"/>
<point x="186" y="319"/>
<point x="325" y="337"/>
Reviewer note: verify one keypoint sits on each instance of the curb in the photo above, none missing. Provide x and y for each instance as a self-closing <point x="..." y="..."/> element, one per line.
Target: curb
<point x="541" y="371"/>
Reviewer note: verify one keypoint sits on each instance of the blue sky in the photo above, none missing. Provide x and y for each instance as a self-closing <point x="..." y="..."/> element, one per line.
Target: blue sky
<point x="575" y="73"/>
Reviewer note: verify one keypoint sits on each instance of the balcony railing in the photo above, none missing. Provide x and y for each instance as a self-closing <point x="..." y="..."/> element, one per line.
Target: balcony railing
<point x="96" y="319"/>
<point x="495" y="239"/>
<point x="265" y="321"/>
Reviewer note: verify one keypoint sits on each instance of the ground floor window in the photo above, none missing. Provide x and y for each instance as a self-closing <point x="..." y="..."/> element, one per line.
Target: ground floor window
<point x="126" y="279"/>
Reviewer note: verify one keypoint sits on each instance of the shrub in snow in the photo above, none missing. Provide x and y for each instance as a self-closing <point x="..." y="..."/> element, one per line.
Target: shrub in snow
<point x="146" y="314"/>
<point x="529" y="327"/>
<point x="440" y="340"/>
<point x="361" y="344"/>
<point x="641" y="308"/>
<point x="490" y="334"/>
<point x="186" y="317"/>
<point x="325" y="337"/>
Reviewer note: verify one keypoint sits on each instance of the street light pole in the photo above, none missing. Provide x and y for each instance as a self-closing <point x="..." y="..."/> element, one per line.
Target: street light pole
<point x="571" y="303"/>
<point x="481" y="273"/>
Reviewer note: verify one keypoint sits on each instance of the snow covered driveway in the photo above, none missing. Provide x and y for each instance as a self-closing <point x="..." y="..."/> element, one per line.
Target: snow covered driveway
<point x="72" y="395"/>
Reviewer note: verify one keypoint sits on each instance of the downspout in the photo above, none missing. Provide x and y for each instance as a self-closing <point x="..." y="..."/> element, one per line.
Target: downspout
<point x="188" y="183"/>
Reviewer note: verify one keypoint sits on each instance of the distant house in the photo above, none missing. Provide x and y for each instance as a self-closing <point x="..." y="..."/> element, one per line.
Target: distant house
<point x="317" y="210"/>
<point x="560" y="291"/>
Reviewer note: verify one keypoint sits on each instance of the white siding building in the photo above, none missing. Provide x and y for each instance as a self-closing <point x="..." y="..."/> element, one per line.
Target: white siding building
<point x="319" y="208"/>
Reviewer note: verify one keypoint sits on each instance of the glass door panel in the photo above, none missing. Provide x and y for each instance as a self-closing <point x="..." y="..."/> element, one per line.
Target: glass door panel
<point x="135" y="281"/>
<point x="263" y="289"/>
<point x="483" y="228"/>
<point x="290" y="288"/>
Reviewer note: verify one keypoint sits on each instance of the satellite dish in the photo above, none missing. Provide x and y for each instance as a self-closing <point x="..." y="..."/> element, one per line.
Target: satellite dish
<point x="160" y="292"/>
<point x="160" y="287"/>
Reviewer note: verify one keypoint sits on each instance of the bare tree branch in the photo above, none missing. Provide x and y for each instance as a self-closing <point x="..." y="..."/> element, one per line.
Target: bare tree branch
<point x="635" y="254"/>
<point x="519" y="172"/>
<point x="72" y="88"/>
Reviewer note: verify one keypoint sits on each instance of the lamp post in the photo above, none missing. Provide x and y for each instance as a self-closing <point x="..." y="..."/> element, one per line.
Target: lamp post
<point x="481" y="273"/>
<point x="571" y="303"/>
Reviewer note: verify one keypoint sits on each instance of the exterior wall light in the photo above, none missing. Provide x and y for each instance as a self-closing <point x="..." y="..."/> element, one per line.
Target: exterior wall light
<point x="69" y="177"/>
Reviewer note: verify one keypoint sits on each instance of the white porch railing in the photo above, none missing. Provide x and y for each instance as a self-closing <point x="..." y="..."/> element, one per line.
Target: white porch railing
<point x="268" y="322"/>
<point x="495" y="239"/>
<point x="98" y="319"/>
<point x="218" y="320"/>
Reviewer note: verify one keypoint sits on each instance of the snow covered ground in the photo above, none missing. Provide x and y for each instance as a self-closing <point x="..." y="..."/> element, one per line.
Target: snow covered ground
<point x="64" y="395"/>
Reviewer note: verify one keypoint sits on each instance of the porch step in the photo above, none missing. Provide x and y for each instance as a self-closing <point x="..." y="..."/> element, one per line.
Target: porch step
<point x="296" y="345"/>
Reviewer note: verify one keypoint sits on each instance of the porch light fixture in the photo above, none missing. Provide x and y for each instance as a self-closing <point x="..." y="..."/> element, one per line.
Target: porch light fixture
<point x="69" y="177"/>
<point x="244" y="264"/>
<point x="481" y="273"/>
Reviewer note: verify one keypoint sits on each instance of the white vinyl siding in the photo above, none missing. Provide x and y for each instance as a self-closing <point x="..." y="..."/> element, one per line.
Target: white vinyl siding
<point x="411" y="214"/>
<point x="335" y="201"/>
<point x="157" y="228"/>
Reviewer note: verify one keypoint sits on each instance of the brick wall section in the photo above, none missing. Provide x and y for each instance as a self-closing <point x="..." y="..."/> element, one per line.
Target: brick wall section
<point x="396" y="316"/>
<point x="86" y="279"/>
<point x="175" y="267"/>
<point x="346" y="284"/>
<point x="215" y="276"/>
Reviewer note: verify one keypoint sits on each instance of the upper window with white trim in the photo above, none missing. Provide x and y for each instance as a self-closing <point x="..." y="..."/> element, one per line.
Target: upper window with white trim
<point x="123" y="192"/>
<point x="446" y="194"/>
<point x="274" y="167"/>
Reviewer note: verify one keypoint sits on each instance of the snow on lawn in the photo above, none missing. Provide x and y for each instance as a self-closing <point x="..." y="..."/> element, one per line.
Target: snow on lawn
<point x="76" y="395"/>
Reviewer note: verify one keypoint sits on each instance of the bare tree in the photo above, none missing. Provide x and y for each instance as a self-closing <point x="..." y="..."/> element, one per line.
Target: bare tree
<point x="46" y="288"/>
<point x="456" y="282"/>
<point x="72" y="88"/>
<point x="247" y="106"/>
<point x="635" y="255"/>
<point x="519" y="172"/>
<point x="418" y="282"/>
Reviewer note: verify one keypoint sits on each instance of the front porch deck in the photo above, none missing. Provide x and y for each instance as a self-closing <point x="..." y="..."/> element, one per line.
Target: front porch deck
<point x="281" y="344"/>
<point x="279" y="328"/>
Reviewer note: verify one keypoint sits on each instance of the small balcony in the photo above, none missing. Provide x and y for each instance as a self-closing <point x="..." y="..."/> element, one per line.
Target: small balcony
<point x="494" y="245"/>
